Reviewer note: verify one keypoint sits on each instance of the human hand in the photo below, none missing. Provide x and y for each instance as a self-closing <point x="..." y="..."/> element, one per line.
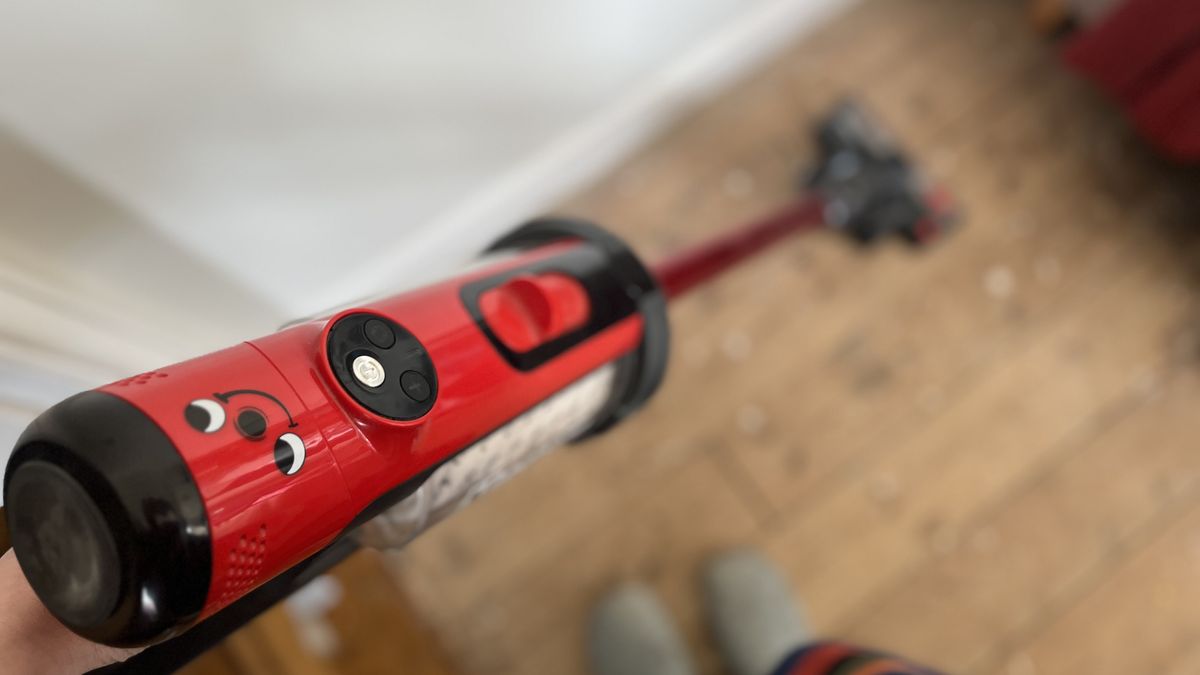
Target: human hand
<point x="33" y="641"/>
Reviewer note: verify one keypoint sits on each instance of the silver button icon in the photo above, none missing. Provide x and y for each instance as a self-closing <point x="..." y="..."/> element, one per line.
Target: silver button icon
<point x="368" y="370"/>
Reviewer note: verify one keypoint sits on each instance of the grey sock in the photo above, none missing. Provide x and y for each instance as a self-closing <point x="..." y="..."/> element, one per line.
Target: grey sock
<point x="751" y="612"/>
<point x="630" y="633"/>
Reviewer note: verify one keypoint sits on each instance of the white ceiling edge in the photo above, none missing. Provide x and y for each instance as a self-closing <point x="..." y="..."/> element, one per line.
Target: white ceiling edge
<point x="584" y="153"/>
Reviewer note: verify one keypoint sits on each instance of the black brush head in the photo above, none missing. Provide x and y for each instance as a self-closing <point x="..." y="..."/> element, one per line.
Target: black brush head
<point x="872" y="189"/>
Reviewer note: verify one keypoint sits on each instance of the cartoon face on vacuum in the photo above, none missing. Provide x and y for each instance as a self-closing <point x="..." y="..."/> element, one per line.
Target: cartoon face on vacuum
<point x="248" y="418"/>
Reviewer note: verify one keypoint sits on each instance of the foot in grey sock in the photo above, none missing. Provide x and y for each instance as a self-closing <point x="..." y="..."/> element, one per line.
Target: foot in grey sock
<point x="630" y="633"/>
<point x="751" y="612"/>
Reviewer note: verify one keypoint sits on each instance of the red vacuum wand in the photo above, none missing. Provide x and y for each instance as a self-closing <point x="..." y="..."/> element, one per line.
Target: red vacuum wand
<point x="693" y="266"/>
<point x="213" y="487"/>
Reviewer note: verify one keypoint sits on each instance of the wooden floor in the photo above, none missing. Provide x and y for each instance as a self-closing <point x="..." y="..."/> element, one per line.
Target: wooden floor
<point x="983" y="455"/>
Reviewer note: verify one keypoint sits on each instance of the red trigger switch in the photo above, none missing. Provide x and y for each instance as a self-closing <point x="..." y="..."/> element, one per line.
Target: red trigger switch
<point x="529" y="310"/>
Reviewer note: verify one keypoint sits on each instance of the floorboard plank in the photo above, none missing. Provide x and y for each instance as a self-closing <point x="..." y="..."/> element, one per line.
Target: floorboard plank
<point x="1141" y="621"/>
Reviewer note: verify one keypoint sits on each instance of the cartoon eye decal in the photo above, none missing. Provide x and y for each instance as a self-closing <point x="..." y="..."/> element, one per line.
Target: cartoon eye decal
<point x="289" y="453"/>
<point x="251" y="423"/>
<point x="205" y="415"/>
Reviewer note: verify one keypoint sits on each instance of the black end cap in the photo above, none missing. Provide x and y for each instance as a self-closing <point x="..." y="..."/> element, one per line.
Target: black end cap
<point x="107" y="523"/>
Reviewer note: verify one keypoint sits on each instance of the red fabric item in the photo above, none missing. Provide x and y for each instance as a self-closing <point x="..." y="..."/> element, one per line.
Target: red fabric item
<point x="1169" y="110"/>
<point x="1146" y="55"/>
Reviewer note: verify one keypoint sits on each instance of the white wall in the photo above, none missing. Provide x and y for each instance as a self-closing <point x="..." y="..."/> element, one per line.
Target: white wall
<point x="288" y="143"/>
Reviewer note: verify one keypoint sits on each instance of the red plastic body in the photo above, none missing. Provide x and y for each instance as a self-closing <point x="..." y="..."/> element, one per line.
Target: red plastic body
<point x="263" y="521"/>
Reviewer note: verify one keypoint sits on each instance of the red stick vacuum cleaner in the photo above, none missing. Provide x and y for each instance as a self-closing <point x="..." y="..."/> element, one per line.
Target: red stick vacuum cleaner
<point x="209" y="489"/>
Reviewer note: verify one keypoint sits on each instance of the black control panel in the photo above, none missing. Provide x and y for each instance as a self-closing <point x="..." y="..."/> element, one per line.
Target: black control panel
<point x="382" y="366"/>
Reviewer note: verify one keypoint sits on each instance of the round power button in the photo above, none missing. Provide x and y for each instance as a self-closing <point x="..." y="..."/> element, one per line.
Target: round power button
<point x="379" y="333"/>
<point x="415" y="385"/>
